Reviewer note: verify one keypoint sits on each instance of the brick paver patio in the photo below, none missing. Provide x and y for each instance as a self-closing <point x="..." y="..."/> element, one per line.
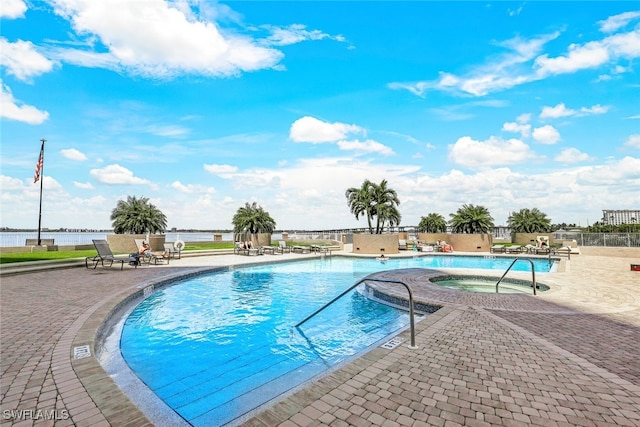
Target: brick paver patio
<point x="568" y="357"/>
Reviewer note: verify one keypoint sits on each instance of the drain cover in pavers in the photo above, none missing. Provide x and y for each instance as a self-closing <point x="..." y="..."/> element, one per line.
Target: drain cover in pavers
<point x="81" y="352"/>
<point x="392" y="343"/>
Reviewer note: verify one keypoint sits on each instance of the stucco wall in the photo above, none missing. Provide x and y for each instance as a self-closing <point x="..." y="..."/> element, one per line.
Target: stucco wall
<point x="125" y="243"/>
<point x="460" y="242"/>
<point x="375" y="244"/>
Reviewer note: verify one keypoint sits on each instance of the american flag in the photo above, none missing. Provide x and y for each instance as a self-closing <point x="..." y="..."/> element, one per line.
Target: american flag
<point x="36" y="176"/>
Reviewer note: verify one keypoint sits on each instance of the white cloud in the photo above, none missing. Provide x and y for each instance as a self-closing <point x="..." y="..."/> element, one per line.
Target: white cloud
<point x="116" y="175"/>
<point x="614" y="23"/>
<point x="22" y="60"/>
<point x="589" y="55"/>
<point x="192" y="188"/>
<point x="171" y="131"/>
<point x="633" y="141"/>
<point x="12" y="109"/>
<point x="73" y="154"/>
<point x="220" y="169"/>
<point x="153" y="39"/>
<point x="546" y="135"/>
<point x="12" y="9"/>
<point x="492" y="152"/>
<point x="523" y="128"/>
<point x="368" y="146"/>
<point x="561" y="110"/>
<point x="496" y="75"/>
<point x="83" y="185"/>
<point x="572" y="155"/>
<point x="8" y="183"/>
<point x="626" y="170"/>
<point x="310" y="129"/>
<point x="525" y="62"/>
<point x="296" y="33"/>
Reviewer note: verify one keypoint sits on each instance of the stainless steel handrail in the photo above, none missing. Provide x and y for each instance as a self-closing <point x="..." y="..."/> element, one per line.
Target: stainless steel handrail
<point x="533" y="273"/>
<point x="411" y="314"/>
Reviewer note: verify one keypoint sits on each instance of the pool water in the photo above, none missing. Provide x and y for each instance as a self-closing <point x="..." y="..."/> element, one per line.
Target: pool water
<point x="219" y="345"/>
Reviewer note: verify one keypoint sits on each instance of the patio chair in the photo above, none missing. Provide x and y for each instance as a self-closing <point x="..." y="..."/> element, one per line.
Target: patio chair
<point x="171" y="250"/>
<point x="320" y="249"/>
<point x="105" y="255"/>
<point x="402" y="244"/>
<point x="282" y="246"/>
<point x="301" y="249"/>
<point x="497" y="249"/>
<point x="273" y="250"/>
<point x="239" y="249"/>
<point x="151" y="257"/>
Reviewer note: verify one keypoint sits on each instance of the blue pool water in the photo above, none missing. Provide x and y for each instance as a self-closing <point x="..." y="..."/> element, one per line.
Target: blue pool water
<point x="219" y="345"/>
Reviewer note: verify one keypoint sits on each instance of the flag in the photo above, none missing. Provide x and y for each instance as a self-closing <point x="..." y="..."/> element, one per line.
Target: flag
<point x="36" y="176"/>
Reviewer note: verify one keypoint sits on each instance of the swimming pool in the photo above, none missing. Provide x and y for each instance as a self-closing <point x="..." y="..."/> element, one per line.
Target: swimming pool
<point x="219" y="345"/>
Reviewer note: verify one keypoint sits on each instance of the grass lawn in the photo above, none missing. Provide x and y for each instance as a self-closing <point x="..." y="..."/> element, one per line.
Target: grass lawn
<point x="6" y="258"/>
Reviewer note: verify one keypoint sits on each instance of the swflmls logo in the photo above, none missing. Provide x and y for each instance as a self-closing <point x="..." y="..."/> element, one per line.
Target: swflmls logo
<point x="31" y="414"/>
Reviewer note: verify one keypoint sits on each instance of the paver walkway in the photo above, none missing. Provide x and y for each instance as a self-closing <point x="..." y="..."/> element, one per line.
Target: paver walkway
<point x="567" y="357"/>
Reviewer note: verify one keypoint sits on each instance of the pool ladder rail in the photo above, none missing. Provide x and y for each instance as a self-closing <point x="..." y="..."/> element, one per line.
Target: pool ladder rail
<point x="359" y="282"/>
<point x="533" y="274"/>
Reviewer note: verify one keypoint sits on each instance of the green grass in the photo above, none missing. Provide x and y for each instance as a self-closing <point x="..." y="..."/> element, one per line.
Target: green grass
<point x="6" y="258"/>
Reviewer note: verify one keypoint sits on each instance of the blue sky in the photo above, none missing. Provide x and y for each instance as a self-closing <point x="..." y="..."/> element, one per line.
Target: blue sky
<point x="203" y="106"/>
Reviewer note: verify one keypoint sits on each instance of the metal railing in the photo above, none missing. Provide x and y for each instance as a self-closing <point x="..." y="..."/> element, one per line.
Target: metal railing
<point x="359" y="282"/>
<point x="533" y="274"/>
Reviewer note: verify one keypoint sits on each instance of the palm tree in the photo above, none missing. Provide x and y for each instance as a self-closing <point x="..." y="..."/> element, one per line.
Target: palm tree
<point x="529" y="221"/>
<point x="137" y="216"/>
<point x="388" y="214"/>
<point x="360" y="201"/>
<point x="252" y="219"/>
<point x="385" y="201"/>
<point x="471" y="219"/>
<point x="432" y="223"/>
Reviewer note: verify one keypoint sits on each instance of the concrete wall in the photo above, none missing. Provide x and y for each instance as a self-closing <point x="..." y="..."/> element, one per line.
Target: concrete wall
<point x="460" y="242"/>
<point x="375" y="244"/>
<point x="260" y="239"/>
<point x="125" y="243"/>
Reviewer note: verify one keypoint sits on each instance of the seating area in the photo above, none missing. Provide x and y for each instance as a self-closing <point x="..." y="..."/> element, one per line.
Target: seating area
<point x="150" y="256"/>
<point x="105" y="256"/>
<point x="514" y="249"/>
<point x="498" y="249"/>
<point x="243" y="248"/>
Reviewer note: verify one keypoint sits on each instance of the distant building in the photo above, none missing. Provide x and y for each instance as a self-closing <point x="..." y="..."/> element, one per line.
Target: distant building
<point x="619" y="217"/>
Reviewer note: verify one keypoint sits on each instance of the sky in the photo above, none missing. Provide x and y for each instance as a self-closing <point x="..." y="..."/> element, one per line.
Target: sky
<point x="203" y="106"/>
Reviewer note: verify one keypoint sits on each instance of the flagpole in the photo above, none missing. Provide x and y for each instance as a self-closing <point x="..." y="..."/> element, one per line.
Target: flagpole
<point x="41" y="183"/>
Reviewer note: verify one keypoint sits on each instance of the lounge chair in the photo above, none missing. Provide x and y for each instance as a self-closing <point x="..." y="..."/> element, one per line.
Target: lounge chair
<point x="105" y="255"/>
<point x="514" y="249"/>
<point x="273" y="250"/>
<point x="239" y="249"/>
<point x="301" y="249"/>
<point x="402" y="244"/>
<point x="282" y="246"/>
<point x="497" y="249"/>
<point x="171" y="250"/>
<point x="320" y="249"/>
<point x="151" y="257"/>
